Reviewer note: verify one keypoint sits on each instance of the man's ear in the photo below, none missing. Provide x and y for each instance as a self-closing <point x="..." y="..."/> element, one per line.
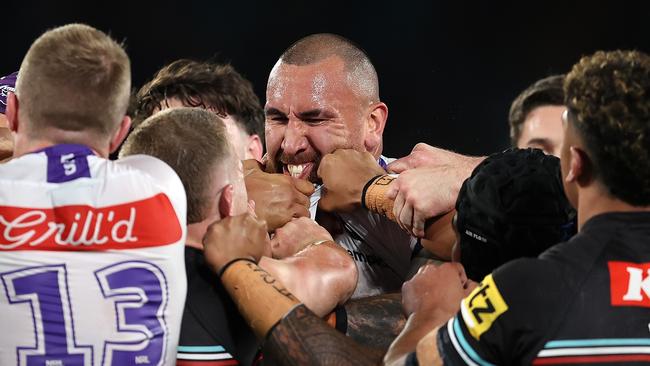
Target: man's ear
<point x="375" y="123"/>
<point x="12" y="112"/>
<point x="120" y="134"/>
<point x="226" y="201"/>
<point x="580" y="169"/>
<point x="254" y="148"/>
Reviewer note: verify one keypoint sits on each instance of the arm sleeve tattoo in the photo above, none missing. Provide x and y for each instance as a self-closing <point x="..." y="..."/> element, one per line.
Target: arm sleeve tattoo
<point x="302" y="338"/>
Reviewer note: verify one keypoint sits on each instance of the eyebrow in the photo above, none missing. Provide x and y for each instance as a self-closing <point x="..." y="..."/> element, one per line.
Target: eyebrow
<point x="312" y="113"/>
<point x="546" y="143"/>
<point x="274" y="111"/>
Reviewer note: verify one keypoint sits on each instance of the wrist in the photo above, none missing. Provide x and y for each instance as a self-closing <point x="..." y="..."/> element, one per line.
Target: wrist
<point x="223" y="268"/>
<point x="373" y="196"/>
<point x="314" y="244"/>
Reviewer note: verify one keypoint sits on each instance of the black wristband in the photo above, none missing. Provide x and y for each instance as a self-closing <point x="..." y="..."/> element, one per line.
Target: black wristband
<point x="365" y="189"/>
<point x="225" y="267"/>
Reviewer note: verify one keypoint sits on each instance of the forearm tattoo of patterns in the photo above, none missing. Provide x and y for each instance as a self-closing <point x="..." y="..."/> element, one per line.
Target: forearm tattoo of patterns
<point x="375" y="321"/>
<point x="302" y="338"/>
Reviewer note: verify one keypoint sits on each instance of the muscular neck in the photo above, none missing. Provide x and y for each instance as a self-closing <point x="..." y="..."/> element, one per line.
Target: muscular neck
<point x="595" y="200"/>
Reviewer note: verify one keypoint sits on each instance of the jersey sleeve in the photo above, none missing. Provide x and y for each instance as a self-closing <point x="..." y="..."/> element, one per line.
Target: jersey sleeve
<point x="504" y="320"/>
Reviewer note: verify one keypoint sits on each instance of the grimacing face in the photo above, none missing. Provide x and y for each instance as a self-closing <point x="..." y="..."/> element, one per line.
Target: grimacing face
<point x="311" y="111"/>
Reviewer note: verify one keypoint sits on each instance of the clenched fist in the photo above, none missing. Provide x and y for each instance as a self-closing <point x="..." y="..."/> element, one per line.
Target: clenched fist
<point x="344" y="173"/>
<point x="436" y="289"/>
<point x="296" y="235"/>
<point x="278" y="198"/>
<point x="242" y="236"/>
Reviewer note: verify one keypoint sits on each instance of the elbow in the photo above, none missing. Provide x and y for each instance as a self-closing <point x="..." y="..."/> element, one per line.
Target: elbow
<point x="344" y="277"/>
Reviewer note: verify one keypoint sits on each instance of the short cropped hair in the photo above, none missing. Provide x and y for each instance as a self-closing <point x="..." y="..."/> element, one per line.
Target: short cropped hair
<point x="545" y="92"/>
<point x="608" y="97"/>
<point x="193" y="142"/>
<point x="74" y="78"/>
<point x="217" y="87"/>
<point x="361" y="73"/>
<point x="512" y="206"/>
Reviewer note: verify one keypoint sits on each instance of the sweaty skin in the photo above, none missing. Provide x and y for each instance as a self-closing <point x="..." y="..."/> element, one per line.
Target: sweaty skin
<point x="311" y="110"/>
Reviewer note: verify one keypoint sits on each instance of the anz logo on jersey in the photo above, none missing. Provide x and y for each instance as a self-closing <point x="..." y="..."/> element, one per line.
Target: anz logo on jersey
<point x="482" y="307"/>
<point x="630" y="283"/>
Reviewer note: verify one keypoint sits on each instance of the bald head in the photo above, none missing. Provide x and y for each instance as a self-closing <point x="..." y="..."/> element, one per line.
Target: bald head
<point x="361" y="75"/>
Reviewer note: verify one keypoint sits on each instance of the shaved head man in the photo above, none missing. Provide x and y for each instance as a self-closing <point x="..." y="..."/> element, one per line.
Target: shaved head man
<point x="323" y="95"/>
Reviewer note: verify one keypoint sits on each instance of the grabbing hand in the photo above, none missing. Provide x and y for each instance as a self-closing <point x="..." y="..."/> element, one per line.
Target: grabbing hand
<point x="417" y="199"/>
<point x="242" y="236"/>
<point x="278" y="198"/>
<point x="296" y="235"/>
<point x="428" y="184"/>
<point x="344" y="173"/>
<point x="436" y="289"/>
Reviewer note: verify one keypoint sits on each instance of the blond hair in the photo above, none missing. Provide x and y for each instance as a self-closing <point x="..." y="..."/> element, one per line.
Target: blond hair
<point x="74" y="78"/>
<point x="192" y="141"/>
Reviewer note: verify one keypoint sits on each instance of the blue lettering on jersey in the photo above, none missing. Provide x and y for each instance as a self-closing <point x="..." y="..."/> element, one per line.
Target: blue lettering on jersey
<point x="67" y="162"/>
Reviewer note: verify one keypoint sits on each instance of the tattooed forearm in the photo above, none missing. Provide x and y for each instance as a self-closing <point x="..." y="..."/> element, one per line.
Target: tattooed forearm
<point x="302" y="338"/>
<point x="375" y="321"/>
<point x="269" y="280"/>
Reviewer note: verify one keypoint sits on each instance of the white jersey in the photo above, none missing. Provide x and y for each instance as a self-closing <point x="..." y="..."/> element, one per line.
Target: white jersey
<point x="91" y="259"/>
<point x="380" y="248"/>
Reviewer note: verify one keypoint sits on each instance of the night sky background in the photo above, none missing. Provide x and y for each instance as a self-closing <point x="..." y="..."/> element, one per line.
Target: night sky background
<point x="448" y="70"/>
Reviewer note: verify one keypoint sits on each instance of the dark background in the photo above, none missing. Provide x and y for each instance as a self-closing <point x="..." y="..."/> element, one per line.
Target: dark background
<point x="448" y="70"/>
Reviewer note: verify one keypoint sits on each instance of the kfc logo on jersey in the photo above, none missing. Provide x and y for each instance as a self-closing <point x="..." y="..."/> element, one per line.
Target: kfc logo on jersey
<point x="630" y="283"/>
<point x="144" y="223"/>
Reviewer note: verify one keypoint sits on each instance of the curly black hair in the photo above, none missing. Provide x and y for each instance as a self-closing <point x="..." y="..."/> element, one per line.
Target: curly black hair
<point x="608" y="97"/>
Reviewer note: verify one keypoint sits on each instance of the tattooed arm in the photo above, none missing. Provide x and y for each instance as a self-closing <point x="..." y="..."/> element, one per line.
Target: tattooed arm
<point x="294" y="335"/>
<point x="321" y="275"/>
<point x="375" y="321"/>
<point x="301" y="338"/>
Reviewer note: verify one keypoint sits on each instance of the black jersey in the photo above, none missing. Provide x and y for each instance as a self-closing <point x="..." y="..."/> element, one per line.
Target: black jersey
<point x="213" y="333"/>
<point x="583" y="301"/>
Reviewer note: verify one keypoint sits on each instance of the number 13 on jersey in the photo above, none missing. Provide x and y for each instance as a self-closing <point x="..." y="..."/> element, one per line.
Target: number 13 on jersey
<point x="137" y="291"/>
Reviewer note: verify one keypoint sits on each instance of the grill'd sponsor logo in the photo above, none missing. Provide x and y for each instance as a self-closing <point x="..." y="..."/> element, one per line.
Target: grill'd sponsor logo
<point x="149" y="222"/>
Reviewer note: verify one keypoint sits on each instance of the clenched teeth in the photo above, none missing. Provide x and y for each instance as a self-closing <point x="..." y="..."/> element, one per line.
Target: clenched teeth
<point x="295" y="170"/>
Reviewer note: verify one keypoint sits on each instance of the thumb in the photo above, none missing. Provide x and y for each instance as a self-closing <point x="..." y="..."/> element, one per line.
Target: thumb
<point x="304" y="186"/>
